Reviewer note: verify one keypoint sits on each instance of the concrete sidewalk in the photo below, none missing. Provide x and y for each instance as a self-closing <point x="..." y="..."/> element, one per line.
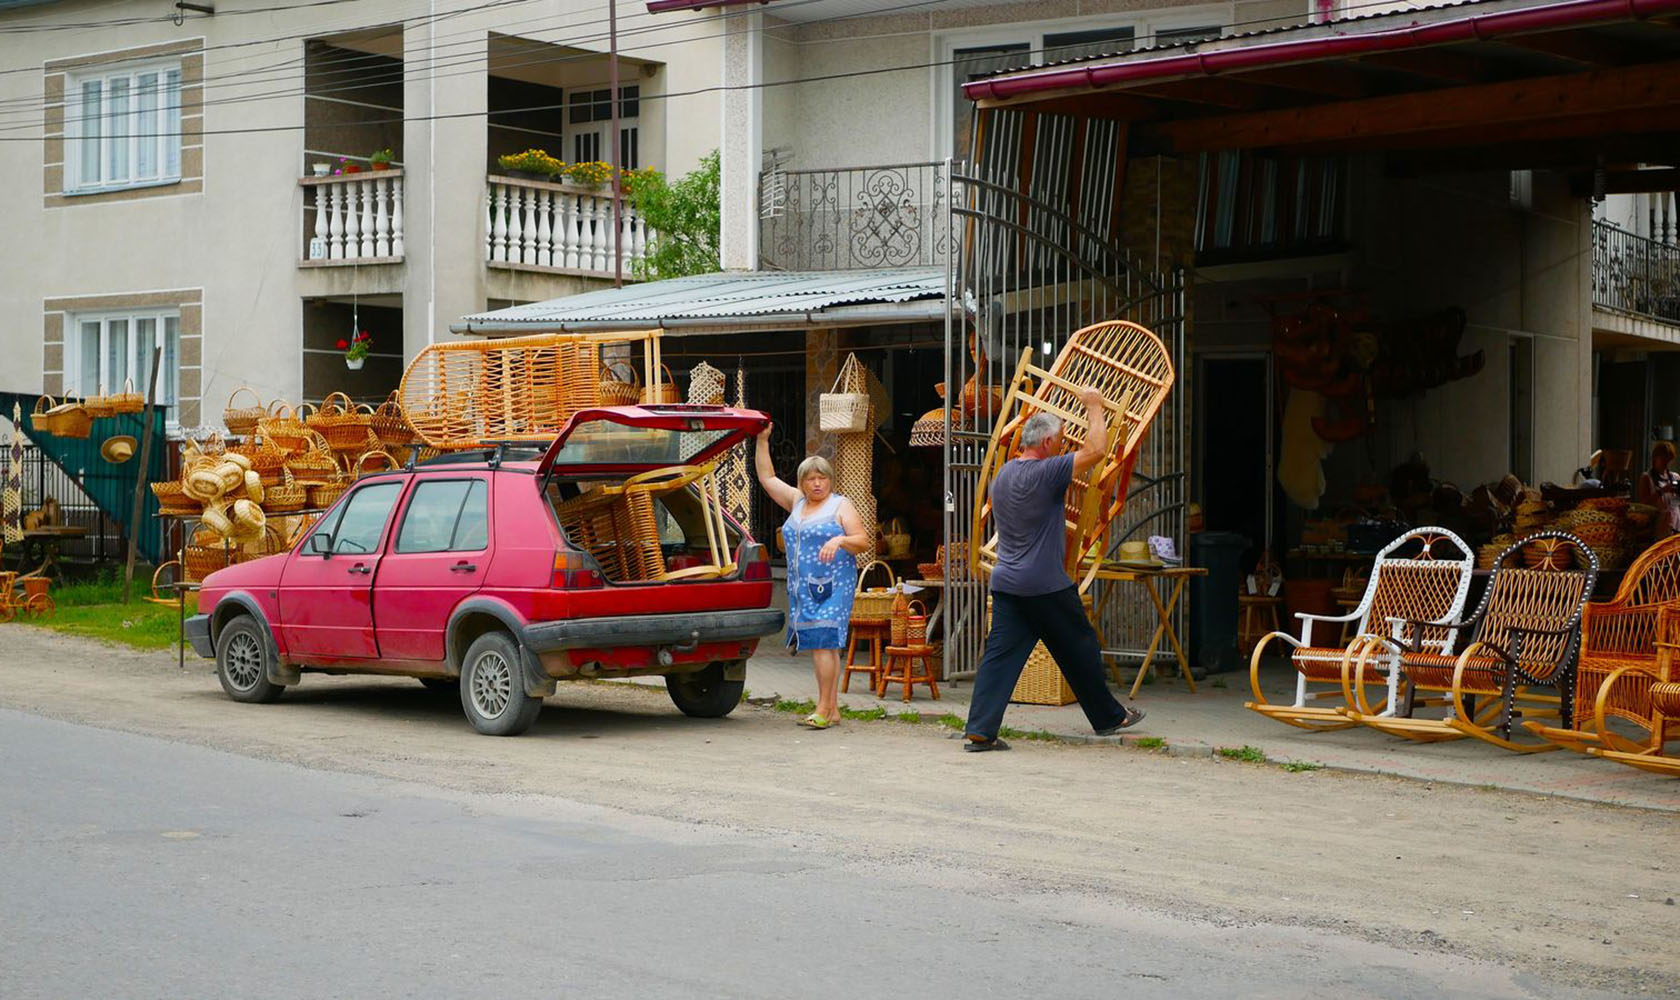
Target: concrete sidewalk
<point x="1215" y="717"/>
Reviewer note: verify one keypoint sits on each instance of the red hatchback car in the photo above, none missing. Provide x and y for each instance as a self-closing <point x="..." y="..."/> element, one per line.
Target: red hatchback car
<point x="459" y="572"/>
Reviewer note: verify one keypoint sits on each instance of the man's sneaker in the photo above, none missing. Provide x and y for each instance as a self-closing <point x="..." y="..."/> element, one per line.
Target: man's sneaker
<point x="973" y="745"/>
<point x="1133" y="717"/>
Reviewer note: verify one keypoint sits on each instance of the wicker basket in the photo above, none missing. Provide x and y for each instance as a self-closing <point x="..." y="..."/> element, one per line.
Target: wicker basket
<point x="323" y="495"/>
<point x="281" y="428"/>
<point x="614" y="391"/>
<point x="99" y="406"/>
<point x="172" y="498"/>
<point x="242" y="420"/>
<point x="1041" y="681"/>
<point x="267" y="461"/>
<point x="41" y="419"/>
<point x="874" y="603"/>
<point x="843" y="412"/>
<point x="930" y="570"/>
<point x="915" y="625"/>
<point x="705" y="385"/>
<point x="389" y="425"/>
<point x="315" y="465"/>
<point x="664" y="392"/>
<point x="199" y="561"/>
<point x="359" y="468"/>
<point x="128" y="401"/>
<point x="71" y="420"/>
<point x="342" y="423"/>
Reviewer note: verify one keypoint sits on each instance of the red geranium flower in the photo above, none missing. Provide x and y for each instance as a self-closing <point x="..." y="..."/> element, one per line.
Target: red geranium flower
<point x="343" y="344"/>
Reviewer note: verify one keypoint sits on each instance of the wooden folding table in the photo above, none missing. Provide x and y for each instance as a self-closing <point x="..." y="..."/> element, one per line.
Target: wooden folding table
<point x="1176" y="578"/>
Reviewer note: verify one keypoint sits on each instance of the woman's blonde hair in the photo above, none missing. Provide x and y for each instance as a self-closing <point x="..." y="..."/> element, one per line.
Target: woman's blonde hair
<point x="1662" y="449"/>
<point x="816" y="465"/>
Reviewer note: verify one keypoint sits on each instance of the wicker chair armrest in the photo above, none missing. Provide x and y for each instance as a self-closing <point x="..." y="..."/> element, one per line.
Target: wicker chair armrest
<point x="1446" y="623"/>
<point x="1540" y="632"/>
<point x="1308" y="616"/>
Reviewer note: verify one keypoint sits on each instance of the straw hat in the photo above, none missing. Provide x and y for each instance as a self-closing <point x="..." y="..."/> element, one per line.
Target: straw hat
<point x="117" y="450"/>
<point x="1137" y="554"/>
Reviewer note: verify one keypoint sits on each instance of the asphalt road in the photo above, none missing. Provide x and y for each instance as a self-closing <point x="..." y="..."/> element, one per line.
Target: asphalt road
<point x="136" y="867"/>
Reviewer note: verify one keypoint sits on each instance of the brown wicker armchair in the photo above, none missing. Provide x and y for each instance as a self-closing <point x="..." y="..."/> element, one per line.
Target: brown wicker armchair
<point x="1423" y="575"/>
<point x="1619" y="633"/>
<point x="1524" y="635"/>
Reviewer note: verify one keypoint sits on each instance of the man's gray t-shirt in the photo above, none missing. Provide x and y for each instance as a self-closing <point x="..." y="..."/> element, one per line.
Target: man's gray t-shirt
<point x="1027" y="498"/>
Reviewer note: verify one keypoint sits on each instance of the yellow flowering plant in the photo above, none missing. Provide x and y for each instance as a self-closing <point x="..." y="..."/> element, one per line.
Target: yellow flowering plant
<point x="593" y="172"/>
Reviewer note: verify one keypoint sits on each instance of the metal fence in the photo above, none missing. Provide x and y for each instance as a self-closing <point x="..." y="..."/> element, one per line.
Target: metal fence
<point x="854" y="218"/>
<point x="43" y="479"/>
<point x="1634" y="274"/>
<point x="1028" y="276"/>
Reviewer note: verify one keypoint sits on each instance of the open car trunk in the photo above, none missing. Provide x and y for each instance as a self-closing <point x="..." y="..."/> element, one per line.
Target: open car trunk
<point x="636" y="489"/>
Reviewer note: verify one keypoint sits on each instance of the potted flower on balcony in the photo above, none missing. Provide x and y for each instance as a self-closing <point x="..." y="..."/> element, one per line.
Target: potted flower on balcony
<point x="591" y="174"/>
<point x="532" y="164"/>
<point x="356" y="350"/>
<point x="348" y="166"/>
<point x="381" y="159"/>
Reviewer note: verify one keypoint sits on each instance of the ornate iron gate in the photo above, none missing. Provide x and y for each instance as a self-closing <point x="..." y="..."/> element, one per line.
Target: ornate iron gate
<point x="1030" y="270"/>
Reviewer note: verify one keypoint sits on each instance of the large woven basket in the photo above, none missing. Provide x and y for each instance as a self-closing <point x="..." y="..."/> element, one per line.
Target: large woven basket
<point x="389" y="425"/>
<point x="99" y="406"/>
<point x="615" y="391"/>
<point x="1041" y="681"/>
<point x="874" y="604"/>
<point x="172" y="498"/>
<point x="288" y="495"/>
<point x="664" y="392"/>
<point x="242" y="420"/>
<point x="342" y="423"/>
<point x="281" y="428"/>
<point x="843" y="412"/>
<point x="71" y="419"/>
<point x="128" y="401"/>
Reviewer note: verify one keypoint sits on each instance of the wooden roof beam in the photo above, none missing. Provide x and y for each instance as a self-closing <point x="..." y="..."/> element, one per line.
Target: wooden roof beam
<point x="1540" y="99"/>
<point x="1440" y="65"/>
<point x="1578" y="47"/>
<point x="1321" y="80"/>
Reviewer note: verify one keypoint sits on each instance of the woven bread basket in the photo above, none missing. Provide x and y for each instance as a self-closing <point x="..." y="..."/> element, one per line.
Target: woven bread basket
<point x="281" y="428"/>
<point x="99" y="406"/>
<point x="615" y="391"/>
<point x="128" y="401"/>
<point x="664" y="392"/>
<point x="40" y="418"/>
<point x="71" y="419"/>
<point x="843" y="412"/>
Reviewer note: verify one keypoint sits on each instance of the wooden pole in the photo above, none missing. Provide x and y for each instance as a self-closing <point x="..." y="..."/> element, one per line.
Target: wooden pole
<point x="140" y="474"/>
<point x="617" y="153"/>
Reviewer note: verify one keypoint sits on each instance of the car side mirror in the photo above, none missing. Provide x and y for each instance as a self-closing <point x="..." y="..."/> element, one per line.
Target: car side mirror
<point x="321" y="544"/>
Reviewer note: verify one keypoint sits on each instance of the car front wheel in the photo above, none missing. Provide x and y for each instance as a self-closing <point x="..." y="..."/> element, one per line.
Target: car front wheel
<point x="493" y="687"/>
<point x="242" y="661"/>
<point x="704" y="694"/>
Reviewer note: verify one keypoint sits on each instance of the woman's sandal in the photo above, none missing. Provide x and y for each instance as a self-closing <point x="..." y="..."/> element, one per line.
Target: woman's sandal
<point x="815" y="721"/>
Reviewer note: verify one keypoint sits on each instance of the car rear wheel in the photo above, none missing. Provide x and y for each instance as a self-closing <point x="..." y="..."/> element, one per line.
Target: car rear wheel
<point x="242" y="661"/>
<point x="704" y="694"/>
<point x="493" y="687"/>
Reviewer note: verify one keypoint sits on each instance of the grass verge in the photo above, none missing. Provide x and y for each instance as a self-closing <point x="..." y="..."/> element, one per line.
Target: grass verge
<point x="93" y="609"/>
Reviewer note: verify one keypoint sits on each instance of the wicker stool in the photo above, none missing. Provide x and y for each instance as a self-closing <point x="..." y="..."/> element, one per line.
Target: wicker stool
<point x="901" y="668"/>
<point x="873" y="632"/>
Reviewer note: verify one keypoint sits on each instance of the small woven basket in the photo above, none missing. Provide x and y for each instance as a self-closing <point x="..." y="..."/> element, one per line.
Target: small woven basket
<point x="242" y="420"/>
<point x="99" y="406"/>
<point x="172" y="498"/>
<point x="843" y="412"/>
<point x="915" y="625"/>
<point x="281" y="428"/>
<point x="323" y="495"/>
<point x="199" y="561"/>
<point x="41" y="419"/>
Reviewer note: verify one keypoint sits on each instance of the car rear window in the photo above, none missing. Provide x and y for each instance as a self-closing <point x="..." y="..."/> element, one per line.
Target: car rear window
<point x="606" y="442"/>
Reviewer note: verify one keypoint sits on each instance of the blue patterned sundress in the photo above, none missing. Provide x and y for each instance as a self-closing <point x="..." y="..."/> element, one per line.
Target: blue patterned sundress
<point x="819" y="594"/>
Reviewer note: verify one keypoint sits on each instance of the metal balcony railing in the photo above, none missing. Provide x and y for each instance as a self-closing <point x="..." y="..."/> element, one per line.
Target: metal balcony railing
<point x="1634" y="274"/>
<point x="854" y="218"/>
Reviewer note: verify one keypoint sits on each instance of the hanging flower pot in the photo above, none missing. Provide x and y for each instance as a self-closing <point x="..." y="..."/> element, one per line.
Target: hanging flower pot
<point x="354" y="364"/>
<point x="356" y="350"/>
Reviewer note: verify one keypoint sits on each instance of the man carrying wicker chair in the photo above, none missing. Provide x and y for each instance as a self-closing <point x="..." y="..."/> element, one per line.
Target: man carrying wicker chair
<point x="1033" y="599"/>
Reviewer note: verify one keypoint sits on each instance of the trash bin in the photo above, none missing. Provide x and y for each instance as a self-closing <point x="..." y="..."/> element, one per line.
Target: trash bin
<point x="1213" y="600"/>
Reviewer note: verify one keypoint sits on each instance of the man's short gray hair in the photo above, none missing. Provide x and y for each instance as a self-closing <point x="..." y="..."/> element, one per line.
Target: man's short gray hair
<point x="816" y="465"/>
<point x="1039" y="428"/>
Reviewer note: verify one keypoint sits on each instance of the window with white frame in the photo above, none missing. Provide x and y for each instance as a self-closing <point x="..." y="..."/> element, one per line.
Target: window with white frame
<point x="123" y="127"/>
<point x="589" y="124"/>
<point x="971" y="55"/>
<point x="105" y="350"/>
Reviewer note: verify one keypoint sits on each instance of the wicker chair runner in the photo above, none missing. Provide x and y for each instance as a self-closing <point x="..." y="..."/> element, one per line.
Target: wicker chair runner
<point x="1132" y="369"/>
<point x="1407" y="589"/>
<point x="619" y="526"/>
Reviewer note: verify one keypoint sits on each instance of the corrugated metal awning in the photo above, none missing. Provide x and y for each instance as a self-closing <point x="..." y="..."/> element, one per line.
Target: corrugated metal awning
<point x="732" y="300"/>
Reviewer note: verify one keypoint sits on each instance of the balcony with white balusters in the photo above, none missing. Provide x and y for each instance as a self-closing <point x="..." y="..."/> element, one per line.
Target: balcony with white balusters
<point x="353" y="219"/>
<point x="541" y="226"/>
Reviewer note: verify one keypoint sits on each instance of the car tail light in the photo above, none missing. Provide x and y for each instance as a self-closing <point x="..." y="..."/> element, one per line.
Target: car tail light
<point x="755" y="562"/>
<point x="576" y="571"/>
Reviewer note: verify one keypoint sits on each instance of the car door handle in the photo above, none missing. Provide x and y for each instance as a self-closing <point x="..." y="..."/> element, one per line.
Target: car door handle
<point x="464" y="567"/>
<point x="358" y="568"/>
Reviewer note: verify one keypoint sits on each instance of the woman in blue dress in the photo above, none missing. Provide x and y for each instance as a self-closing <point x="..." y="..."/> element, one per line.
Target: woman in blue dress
<point x="823" y="532"/>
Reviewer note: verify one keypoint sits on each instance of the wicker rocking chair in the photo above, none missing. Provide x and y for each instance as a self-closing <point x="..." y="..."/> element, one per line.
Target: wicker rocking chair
<point x="1411" y="581"/>
<point x="1132" y="369"/>
<point x="1655" y="689"/>
<point x="1524" y="635"/>
<point x="1623" y="633"/>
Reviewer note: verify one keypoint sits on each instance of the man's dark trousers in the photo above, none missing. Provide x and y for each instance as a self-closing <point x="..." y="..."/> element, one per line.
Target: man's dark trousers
<point x="1018" y="624"/>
